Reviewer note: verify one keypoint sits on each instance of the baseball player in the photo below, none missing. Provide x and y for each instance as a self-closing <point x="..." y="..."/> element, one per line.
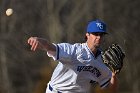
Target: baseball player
<point x="79" y="64"/>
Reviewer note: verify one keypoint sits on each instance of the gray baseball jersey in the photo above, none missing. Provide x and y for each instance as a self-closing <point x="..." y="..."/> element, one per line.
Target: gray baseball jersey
<point x="77" y="69"/>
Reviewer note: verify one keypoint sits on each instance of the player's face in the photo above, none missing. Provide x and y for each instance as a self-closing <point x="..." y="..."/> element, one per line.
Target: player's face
<point x="94" y="39"/>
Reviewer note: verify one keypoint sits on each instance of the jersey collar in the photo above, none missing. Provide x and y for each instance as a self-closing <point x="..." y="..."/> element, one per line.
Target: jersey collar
<point x="98" y="51"/>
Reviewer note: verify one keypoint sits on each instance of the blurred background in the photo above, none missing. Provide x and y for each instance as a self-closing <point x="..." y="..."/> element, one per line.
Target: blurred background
<point x="24" y="71"/>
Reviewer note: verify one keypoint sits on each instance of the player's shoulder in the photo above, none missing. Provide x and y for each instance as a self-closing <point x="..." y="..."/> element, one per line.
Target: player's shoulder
<point x="76" y="47"/>
<point x="71" y="44"/>
<point x="79" y="44"/>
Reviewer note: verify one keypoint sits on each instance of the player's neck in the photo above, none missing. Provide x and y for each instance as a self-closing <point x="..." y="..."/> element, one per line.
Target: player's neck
<point x="92" y="48"/>
<point x="94" y="51"/>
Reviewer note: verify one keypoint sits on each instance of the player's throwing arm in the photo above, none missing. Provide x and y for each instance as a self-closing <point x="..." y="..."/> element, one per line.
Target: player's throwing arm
<point x="40" y="43"/>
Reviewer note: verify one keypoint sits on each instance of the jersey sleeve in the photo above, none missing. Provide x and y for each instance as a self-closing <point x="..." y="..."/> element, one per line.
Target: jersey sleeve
<point x="64" y="52"/>
<point x="104" y="82"/>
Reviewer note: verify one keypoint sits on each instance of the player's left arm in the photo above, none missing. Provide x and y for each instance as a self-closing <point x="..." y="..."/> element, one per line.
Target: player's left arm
<point x="113" y="59"/>
<point x="113" y="85"/>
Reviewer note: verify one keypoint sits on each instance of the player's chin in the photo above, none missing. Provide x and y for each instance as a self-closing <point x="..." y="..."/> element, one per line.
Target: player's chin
<point x="97" y="45"/>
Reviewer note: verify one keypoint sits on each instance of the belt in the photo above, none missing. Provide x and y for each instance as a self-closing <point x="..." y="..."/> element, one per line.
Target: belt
<point x="51" y="89"/>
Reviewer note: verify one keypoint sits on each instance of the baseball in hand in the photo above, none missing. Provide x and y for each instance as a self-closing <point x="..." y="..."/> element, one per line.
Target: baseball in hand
<point x="9" y="11"/>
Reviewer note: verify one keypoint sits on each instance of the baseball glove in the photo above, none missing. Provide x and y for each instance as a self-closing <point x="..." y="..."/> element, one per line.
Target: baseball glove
<point x="113" y="58"/>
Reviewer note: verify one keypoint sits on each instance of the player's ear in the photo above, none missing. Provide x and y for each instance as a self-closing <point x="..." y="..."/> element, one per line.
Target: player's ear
<point x="87" y="34"/>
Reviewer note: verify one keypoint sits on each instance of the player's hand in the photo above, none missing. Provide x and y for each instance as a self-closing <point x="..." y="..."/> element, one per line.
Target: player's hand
<point x="34" y="42"/>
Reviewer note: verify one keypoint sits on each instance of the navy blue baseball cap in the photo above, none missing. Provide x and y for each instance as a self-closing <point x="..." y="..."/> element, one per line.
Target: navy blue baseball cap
<point x="96" y="26"/>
